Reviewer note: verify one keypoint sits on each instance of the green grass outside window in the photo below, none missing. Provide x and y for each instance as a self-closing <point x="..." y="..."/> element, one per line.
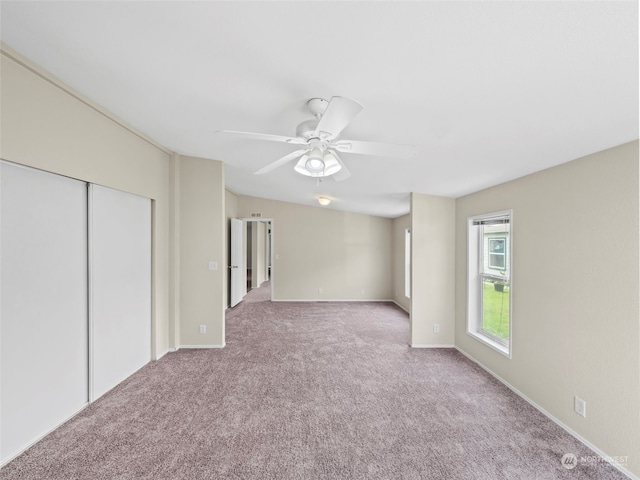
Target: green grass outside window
<point x="495" y="311"/>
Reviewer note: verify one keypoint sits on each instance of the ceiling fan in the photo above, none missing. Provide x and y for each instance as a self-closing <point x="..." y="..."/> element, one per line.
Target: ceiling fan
<point x="320" y="141"/>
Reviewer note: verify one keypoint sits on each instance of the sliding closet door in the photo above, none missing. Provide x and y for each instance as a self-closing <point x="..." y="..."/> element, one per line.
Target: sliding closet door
<point x="120" y="283"/>
<point x="43" y="317"/>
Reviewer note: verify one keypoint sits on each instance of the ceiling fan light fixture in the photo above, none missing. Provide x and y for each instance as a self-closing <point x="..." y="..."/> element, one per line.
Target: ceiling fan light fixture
<point x="314" y="164"/>
<point x="307" y="165"/>
<point x="324" y="201"/>
<point x="331" y="164"/>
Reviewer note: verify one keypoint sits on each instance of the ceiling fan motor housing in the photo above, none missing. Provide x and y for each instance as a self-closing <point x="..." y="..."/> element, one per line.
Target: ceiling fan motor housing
<point x="307" y="129"/>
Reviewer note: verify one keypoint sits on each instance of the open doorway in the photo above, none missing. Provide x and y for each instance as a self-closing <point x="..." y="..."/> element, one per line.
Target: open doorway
<point x="258" y="257"/>
<point x="251" y="267"/>
<point x="256" y="251"/>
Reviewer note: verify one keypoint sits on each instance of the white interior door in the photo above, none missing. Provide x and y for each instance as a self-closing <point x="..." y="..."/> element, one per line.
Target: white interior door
<point x="43" y="314"/>
<point x="238" y="271"/>
<point x="120" y="286"/>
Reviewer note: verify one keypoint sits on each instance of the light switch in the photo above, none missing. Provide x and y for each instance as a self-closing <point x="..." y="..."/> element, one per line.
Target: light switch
<point x="213" y="265"/>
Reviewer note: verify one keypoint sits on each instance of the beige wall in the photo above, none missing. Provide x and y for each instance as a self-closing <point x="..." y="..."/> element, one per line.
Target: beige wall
<point x="202" y="240"/>
<point x="575" y="290"/>
<point x="340" y="252"/>
<point x="47" y="126"/>
<point x="432" y="270"/>
<point x="174" y="252"/>
<point x="399" y="226"/>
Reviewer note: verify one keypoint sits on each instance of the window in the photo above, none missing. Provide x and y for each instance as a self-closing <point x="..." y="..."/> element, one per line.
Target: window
<point x="407" y="263"/>
<point x="489" y="280"/>
<point x="496" y="253"/>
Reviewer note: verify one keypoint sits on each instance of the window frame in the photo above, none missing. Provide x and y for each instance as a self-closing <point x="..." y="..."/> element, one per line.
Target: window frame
<point x="476" y="275"/>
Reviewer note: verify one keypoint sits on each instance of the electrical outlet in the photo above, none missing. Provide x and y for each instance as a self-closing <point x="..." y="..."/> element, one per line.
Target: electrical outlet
<point x="436" y="328"/>
<point x="321" y="290"/>
<point x="203" y="329"/>
<point x="580" y="406"/>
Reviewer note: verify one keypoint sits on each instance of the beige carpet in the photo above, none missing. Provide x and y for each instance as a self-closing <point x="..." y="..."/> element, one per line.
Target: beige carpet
<point x="309" y="391"/>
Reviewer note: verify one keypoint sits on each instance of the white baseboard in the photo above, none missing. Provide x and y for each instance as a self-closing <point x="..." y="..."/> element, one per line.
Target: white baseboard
<point x="336" y="300"/>
<point x="40" y="437"/>
<point x="430" y="345"/>
<point x="599" y="452"/>
<point x="202" y="346"/>
<point x="401" y="307"/>
<point x="172" y="350"/>
<point x="159" y="356"/>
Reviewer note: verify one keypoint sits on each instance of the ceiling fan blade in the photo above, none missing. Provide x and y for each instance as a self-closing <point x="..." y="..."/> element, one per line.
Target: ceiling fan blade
<point x="265" y="136"/>
<point x="338" y="114"/>
<point x="374" y="148"/>
<point x="343" y="173"/>
<point x="280" y="162"/>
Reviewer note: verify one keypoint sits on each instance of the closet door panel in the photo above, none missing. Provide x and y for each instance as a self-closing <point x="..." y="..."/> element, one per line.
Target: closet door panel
<point x="120" y="286"/>
<point x="43" y="317"/>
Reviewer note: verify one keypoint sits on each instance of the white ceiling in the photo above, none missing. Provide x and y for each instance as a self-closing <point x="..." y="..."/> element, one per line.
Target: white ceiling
<point x="486" y="91"/>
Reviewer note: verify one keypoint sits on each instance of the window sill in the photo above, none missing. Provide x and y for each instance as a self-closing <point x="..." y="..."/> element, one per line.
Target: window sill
<point x="506" y="351"/>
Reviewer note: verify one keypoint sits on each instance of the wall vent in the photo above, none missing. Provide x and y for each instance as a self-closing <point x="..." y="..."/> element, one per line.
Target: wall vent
<point x="256" y="215"/>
